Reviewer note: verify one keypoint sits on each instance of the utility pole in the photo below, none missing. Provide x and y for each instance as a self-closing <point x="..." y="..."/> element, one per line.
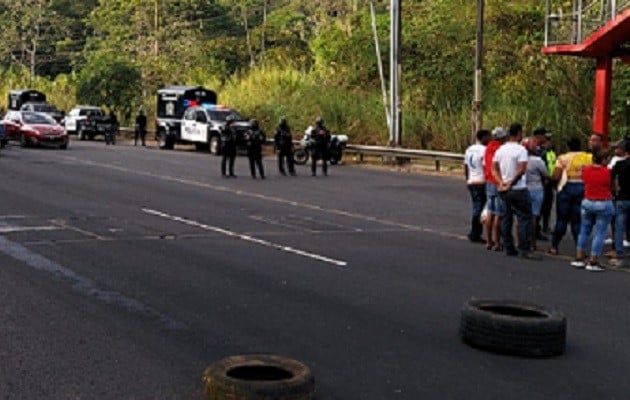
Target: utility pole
<point x="395" y="134"/>
<point x="379" y="60"/>
<point x="477" y="105"/>
<point x="156" y="26"/>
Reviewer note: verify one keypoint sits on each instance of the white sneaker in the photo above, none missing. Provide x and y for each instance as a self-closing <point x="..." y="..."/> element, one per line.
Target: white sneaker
<point x="608" y="241"/>
<point x="577" y="263"/>
<point x="626" y="243"/>
<point x="594" y="267"/>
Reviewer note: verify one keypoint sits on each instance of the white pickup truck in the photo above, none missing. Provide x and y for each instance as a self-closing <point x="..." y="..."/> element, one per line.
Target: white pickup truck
<point x="202" y="125"/>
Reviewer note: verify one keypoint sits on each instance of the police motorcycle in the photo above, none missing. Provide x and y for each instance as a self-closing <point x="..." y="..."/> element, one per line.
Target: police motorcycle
<point x="335" y="152"/>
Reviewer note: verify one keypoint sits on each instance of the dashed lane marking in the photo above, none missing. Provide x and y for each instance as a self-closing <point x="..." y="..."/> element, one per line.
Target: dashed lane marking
<point x="246" y="238"/>
<point x="275" y="199"/>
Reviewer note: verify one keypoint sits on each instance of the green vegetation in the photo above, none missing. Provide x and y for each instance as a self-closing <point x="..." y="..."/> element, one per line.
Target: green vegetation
<point x="304" y="58"/>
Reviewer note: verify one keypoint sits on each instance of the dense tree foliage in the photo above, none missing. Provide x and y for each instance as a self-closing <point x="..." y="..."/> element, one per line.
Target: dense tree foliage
<point x="304" y="58"/>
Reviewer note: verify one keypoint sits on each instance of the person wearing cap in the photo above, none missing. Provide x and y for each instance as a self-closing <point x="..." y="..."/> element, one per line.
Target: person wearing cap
<point x="476" y="181"/>
<point x="549" y="157"/>
<point x="254" y="141"/>
<point x="494" y="204"/>
<point x="537" y="175"/>
<point x="509" y="167"/>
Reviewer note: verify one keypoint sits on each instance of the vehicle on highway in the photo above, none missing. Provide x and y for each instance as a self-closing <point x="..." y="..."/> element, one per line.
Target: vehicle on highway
<point x="202" y="125"/>
<point x="34" y="129"/>
<point x="87" y="122"/>
<point x="44" y="108"/>
<point x="19" y="97"/>
<point x="172" y="102"/>
<point x="302" y="154"/>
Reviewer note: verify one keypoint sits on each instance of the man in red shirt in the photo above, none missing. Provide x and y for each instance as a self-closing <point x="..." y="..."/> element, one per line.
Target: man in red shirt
<point x="495" y="207"/>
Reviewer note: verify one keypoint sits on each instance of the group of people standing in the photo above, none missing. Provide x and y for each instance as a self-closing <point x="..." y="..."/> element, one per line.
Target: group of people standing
<point x="510" y="177"/>
<point x="255" y="138"/>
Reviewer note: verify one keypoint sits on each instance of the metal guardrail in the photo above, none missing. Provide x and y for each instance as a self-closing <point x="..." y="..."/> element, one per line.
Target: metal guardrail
<point x="401" y="153"/>
<point x="382" y="151"/>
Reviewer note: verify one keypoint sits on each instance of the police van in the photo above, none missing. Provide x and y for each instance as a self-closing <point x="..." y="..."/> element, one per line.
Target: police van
<point x="172" y="102"/>
<point x="203" y="124"/>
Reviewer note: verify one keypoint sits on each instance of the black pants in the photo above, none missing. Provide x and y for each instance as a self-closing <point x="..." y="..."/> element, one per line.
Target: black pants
<point x="229" y="156"/>
<point x="286" y="154"/>
<point x="547" y="204"/>
<point x="317" y="155"/>
<point x="255" y="160"/>
<point x="139" y="134"/>
<point x="519" y="204"/>
<point x="478" y="197"/>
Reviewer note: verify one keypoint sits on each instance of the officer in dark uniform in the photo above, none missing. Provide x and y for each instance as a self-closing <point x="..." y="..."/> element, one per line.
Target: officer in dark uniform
<point x="110" y="133"/>
<point x="254" y="140"/>
<point x="141" y="128"/>
<point x="321" y="143"/>
<point x="228" y="148"/>
<point x="283" y="142"/>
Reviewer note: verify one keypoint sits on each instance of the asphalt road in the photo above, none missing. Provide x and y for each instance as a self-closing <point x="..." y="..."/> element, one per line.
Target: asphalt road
<point x="125" y="271"/>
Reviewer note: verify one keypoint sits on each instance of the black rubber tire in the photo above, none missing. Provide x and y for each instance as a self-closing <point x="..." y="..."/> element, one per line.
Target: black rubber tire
<point x="23" y="141"/>
<point x="513" y="327"/>
<point x="214" y="145"/>
<point x="241" y="377"/>
<point x="300" y="156"/>
<point x="161" y="139"/>
<point x="335" y="157"/>
<point x="81" y="134"/>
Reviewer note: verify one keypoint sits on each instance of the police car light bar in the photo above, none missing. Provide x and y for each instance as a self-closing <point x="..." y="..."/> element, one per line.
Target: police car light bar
<point x="210" y="106"/>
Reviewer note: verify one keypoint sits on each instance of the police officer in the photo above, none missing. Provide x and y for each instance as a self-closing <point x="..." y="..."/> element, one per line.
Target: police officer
<point x="283" y="143"/>
<point x="321" y="143"/>
<point x="141" y="128"/>
<point x="228" y="148"/>
<point x="254" y="140"/>
<point x="110" y="134"/>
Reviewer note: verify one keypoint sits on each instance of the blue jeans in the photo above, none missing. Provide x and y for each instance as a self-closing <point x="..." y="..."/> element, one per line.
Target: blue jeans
<point x="478" y="197"/>
<point x="537" y="200"/>
<point x="568" y="206"/>
<point x="621" y="220"/>
<point x="495" y="204"/>
<point x="595" y="214"/>
<point x="517" y="202"/>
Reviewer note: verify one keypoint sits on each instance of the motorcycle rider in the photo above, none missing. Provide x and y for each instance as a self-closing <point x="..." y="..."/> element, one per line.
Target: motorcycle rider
<point x="228" y="148"/>
<point x="320" y="136"/>
<point x="283" y="143"/>
<point x="254" y="140"/>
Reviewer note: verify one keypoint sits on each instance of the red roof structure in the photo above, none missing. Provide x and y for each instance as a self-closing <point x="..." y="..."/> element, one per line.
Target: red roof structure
<point x="599" y="30"/>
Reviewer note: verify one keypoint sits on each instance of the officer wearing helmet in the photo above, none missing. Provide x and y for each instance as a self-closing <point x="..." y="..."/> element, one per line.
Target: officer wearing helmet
<point x="254" y="140"/>
<point x="283" y="143"/>
<point x="321" y="143"/>
<point x="228" y="148"/>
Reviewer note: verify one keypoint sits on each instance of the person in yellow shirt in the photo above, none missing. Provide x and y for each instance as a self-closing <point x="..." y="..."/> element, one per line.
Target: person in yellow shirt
<point x="568" y="174"/>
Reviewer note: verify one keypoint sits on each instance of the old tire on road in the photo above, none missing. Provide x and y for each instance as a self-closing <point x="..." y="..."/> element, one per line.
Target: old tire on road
<point x="513" y="327"/>
<point x="258" y="377"/>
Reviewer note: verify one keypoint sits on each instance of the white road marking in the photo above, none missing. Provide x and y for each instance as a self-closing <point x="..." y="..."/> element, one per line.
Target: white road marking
<point x="275" y="199"/>
<point x="246" y="238"/>
<point x="10" y="229"/>
<point x="84" y="285"/>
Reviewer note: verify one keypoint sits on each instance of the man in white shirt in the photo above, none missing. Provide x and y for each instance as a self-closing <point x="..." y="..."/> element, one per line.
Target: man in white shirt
<point x="476" y="181"/>
<point x="509" y="167"/>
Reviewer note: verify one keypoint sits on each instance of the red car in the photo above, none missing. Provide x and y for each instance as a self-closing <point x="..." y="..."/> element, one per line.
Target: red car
<point x="34" y="129"/>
